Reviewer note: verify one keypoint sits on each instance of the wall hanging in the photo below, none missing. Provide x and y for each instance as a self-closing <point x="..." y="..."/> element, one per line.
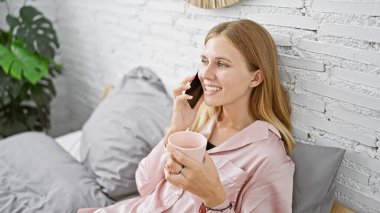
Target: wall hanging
<point x="211" y="4"/>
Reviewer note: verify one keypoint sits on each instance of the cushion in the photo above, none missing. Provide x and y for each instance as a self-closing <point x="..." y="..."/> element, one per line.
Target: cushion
<point x="314" y="179"/>
<point x="37" y="175"/>
<point x="123" y="129"/>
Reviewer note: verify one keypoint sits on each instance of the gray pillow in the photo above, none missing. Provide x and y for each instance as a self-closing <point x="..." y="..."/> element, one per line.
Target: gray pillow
<point x="37" y="175"/>
<point x="314" y="178"/>
<point x="123" y="129"/>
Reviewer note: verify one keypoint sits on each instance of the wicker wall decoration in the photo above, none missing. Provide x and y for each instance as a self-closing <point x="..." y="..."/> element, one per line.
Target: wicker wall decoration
<point x="211" y="4"/>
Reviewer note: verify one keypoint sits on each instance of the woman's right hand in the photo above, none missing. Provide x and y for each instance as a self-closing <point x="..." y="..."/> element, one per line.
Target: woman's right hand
<point x="183" y="115"/>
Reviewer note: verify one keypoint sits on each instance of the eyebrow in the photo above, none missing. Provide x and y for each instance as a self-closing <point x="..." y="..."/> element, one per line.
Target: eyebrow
<point x="218" y="58"/>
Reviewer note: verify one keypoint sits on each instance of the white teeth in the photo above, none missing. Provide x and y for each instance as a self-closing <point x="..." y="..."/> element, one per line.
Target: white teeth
<point x="212" y="89"/>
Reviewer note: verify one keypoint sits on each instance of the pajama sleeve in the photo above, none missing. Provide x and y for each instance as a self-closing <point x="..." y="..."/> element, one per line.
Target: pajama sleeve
<point x="149" y="172"/>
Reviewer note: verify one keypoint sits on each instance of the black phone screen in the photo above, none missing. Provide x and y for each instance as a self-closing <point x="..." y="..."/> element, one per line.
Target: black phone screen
<point x="196" y="91"/>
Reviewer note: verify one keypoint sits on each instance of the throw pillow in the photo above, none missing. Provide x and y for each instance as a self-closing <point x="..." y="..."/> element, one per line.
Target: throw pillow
<point x="314" y="178"/>
<point x="123" y="129"/>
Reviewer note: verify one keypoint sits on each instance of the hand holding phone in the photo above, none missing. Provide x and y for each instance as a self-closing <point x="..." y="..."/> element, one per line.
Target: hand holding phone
<point x="196" y="91"/>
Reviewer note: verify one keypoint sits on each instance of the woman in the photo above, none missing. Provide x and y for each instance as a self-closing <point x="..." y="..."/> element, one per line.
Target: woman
<point x="245" y="115"/>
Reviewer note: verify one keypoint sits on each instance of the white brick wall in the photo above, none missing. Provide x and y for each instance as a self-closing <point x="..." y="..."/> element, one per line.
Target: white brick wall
<point x="370" y="8"/>
<point x="329" y="57"/>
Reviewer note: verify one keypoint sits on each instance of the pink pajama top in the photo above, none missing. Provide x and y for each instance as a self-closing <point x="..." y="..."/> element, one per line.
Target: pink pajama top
<point x="254" y="169"/>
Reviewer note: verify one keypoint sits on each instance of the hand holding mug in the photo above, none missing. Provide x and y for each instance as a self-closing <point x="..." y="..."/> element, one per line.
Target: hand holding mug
<point x="192" y="144"/>
<point x="192" y="171"/>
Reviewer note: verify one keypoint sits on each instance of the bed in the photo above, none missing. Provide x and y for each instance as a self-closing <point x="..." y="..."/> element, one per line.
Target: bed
<point x="71" y="143"/>
<point x="94" y="166"/>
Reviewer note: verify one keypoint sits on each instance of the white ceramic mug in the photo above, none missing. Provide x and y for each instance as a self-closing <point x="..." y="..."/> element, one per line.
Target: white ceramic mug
<point x="192" y="144"/>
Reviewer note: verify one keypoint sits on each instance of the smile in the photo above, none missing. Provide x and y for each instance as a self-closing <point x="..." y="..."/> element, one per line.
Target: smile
<point x="212" y="89"/>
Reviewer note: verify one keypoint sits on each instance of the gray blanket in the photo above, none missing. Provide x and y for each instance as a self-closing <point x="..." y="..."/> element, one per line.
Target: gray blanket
<point x="37" y="175"/>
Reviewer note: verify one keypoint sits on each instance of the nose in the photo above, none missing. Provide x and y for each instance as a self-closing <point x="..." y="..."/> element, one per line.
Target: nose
<point x="207" y="72"/>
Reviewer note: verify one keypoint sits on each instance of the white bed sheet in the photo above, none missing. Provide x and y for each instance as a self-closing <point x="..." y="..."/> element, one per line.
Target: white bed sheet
<point x="71" y="143"/>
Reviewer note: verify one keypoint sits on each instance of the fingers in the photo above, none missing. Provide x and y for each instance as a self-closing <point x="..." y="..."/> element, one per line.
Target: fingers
<point x="180" y="88"/>
<point x="188" y="79"/>
<point x="172" y="166"/>
<point x="172" y="173"/>
<point x="183" y="85"/>
<point x="176" y="179"/>
<point x="181" y="158"/>
<point x="183" y="97"/>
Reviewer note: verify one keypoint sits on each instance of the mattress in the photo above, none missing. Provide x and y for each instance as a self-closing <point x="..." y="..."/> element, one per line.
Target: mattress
<point x="71" y="143"/>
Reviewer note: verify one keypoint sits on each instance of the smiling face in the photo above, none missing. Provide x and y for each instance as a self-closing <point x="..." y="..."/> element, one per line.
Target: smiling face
<point x="224" y="74"/>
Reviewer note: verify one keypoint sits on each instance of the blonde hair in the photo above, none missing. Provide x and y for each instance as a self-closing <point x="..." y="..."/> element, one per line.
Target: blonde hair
<point x="269" y="100"/>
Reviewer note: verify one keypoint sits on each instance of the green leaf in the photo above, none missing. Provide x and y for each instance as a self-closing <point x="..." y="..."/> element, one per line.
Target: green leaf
<point x="38" y="32"/>
<point x="16" y="70"/>
<point x="44" y="47"/>
<point x="13" y="21"/>
<point x="22" y="33"/>
<point x="20" y="60"/>
<point x="28" y="13"/>
<point x="6" y="60"/>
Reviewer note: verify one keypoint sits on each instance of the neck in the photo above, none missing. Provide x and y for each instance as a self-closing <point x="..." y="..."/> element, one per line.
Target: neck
<point x="235" y="118"/>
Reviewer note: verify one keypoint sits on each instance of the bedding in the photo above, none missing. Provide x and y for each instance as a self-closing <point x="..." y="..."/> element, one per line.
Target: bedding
<point x="123" y="129"/>
<point x="71" y="143"/>
<point x="37" y="175"/>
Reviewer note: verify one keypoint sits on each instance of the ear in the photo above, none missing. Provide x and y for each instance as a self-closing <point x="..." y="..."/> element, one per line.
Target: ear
<point x="257" y="78"/>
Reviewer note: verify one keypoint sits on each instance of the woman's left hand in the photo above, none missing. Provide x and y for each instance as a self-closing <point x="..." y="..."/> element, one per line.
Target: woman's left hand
<point x="201" y="179"/>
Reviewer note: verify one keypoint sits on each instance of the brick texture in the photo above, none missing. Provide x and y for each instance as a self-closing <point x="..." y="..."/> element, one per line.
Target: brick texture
<point x="285" y="20"/>
<point x="370" y="34"/>
<point x="308" y="101"/>
<point x="353" y="54"/>
<point x="275" y="3"/>
<point x="335" y="128"/>
<point x="340" y="94"/>
<point x="347" y="7"/>
<point x="301" y="63"/>
<point x="372" y="80"/>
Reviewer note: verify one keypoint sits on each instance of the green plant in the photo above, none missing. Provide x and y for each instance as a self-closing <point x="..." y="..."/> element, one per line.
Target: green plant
<point x="27" y="67"/>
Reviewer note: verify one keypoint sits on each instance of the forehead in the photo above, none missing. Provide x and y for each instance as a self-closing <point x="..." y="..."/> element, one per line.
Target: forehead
<point x="219" y="46"/>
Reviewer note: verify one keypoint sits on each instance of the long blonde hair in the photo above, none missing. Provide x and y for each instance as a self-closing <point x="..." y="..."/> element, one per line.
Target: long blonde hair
<point x="269" y="100"/>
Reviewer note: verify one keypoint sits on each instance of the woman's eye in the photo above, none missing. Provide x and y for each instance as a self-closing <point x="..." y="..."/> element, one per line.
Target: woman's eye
<point x="222" y="65"/>
<point x="204" y="61"/>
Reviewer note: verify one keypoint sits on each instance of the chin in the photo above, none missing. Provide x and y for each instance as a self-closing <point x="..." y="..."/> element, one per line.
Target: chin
<point x="212" y="103"/>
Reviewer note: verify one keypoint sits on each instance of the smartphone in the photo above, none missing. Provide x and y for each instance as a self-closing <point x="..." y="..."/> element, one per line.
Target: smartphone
<point x="196" y="91"/>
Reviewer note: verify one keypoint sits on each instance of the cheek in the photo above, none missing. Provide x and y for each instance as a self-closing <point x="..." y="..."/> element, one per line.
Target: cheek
<point x="236" y="84"/>
<point x="200" y="73"/>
